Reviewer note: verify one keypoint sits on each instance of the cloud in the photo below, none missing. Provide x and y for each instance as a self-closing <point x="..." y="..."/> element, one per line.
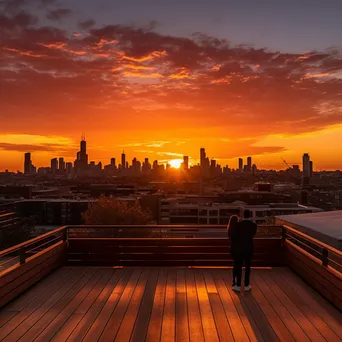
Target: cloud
<point x="86" y="24"/>
<point x="155" y="82"/>
<point x="35" y="143"/>
<point x="58" y="14"/>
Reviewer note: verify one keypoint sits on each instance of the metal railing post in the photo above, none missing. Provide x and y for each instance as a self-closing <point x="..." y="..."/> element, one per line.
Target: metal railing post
<point x="22" y="255"/>
<point x="65" y="234"/>
<point x="283" y="235"/>
<point x="325" y="254"/>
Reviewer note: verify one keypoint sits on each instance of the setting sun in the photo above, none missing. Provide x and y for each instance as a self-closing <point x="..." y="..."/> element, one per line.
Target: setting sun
<point x="176" y="163"/>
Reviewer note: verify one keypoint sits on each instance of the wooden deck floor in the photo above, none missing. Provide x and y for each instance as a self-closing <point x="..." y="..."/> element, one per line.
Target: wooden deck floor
<point x="168" y="304"/>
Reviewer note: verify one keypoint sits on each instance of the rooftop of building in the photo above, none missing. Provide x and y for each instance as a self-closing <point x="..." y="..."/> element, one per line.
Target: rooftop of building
<point x="325" y="226"/>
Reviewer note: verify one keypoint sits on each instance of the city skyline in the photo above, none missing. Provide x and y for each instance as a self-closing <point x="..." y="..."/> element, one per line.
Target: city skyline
<point x="82" y="161"/>
<point x="162" y="78"/>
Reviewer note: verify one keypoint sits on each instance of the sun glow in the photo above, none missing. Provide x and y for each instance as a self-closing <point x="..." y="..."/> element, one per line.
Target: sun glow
<point x="176" y="163"/>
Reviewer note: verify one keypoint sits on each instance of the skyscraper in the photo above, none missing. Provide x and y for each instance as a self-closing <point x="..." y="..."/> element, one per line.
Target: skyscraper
<point x="202" y="157"/>
<point x="311" y="168"/>
<point x="54" y="165"/>
<point x="186" y="162"/>
<point x="27" y="163"/>
<point x="249" y="164"/>
<point x="112" y="162"/>
<point x="81" y="162"/>
<point x="123" y="160"/>
<point x="306" y="169"/>
<point x="68" y="167"/>
<point x="240" y="164"/>
<point x="61" y="165"/>
<point x="306" y="165"/>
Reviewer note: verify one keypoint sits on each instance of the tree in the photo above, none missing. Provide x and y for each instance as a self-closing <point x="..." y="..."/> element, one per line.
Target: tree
<point x="108" y="211"/>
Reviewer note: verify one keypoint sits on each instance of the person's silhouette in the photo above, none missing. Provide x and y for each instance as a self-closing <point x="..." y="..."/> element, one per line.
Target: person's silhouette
<point x="241" y="234"/>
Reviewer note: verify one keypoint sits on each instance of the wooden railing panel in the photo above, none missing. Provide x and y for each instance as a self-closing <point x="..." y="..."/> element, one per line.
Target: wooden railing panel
<point x="324" y="279"/>
<point x="177" y="251"/>
<point x="17" y="279"/>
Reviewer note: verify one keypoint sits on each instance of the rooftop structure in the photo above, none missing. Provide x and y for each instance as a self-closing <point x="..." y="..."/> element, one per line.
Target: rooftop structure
<point x="324" y="226"/>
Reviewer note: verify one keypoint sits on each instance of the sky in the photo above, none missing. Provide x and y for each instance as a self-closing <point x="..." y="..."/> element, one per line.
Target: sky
<point x="160" y="79"/>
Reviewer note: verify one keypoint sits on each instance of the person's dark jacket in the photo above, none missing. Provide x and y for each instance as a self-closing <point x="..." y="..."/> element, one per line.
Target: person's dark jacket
<point x="241" y="236"/>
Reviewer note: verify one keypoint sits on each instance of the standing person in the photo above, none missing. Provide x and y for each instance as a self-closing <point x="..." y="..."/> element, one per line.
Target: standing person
<point x="233" y="221"/>
<point x="242" y="249"/>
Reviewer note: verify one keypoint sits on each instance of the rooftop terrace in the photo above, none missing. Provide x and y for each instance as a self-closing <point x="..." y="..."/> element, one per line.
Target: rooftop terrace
<point x="111" y="284"/>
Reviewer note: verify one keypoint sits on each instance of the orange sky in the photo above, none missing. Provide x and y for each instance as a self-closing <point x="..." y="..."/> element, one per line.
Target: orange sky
<point x="161" y="96"/>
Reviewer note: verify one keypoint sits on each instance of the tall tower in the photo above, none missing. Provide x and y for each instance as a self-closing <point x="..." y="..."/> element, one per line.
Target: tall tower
<point x="249" y="163"/>
<point x="123" y="160"/>
<point x="27" y="163"/>
<point x="54" y="165"/>
<point x="306" y="169"/>
<point x="240" y="164"/>
<point x="306" y="165"/>
<point x="202" y="157"/>
<point x="61" y="164"/>
<point x="186" y="162"/>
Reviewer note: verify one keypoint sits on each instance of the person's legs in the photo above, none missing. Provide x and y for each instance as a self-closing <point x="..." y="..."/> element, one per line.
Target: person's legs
<point x="234" y="270"/>
<point x="248" y="260"/>
<point x="238" y="269"/>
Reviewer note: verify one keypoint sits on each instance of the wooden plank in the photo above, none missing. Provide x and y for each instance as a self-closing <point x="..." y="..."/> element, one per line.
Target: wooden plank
<point x="208" y="322"/>
<point x="48" y="267"/>
<point x="168" y="263"/>
<point x="6" y="316"/>
<point x="301" y="319"/>
<point x="25" y="325"/>
<point x="276" y="323"/>
<point x="98" y="326"/>
<point x="156" y="320"/>
<point x="115" y="249"/>
<point x="44" y="321"/>
<point x="117" y="316"/>
<point x="63" y="316"/>
<point x="209" y="281"/>
<point x="180" y="283"/>
<point x="182" y="323"/>
<point x="223" y="328"/>
<point x="127" y="324"/>
<point x="321" y="307"/>
<point x="232" y="310"/>
<point x="309" y="313"/>
<point x="285" y="316"/>
<point x="169" y="319"/>
<point x="195" y="322"/>
<point x="102" y="278"/>
<point x="35" y="292"/>
<point x="32" y="307"/>
<point x="143" y="318"/>
<point x="88" y="319"/>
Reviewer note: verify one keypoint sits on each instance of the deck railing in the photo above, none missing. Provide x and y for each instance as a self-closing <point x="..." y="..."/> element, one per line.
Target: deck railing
<point x="19" y="254"/>
<point x="191" y="245"/>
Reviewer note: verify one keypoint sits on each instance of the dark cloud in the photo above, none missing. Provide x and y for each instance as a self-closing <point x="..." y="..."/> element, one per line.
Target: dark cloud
<point x="86" y="24"/>
<point x="58" y="14"/>
<point x="32" y="148"/>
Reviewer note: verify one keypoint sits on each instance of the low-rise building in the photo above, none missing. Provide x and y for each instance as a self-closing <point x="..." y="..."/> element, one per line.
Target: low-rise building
<point x="206" y="210"/>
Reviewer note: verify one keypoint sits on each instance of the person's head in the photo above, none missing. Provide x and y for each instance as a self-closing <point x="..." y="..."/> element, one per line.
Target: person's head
<point x="233" y="220"/>
<point x="246" y="214"/>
